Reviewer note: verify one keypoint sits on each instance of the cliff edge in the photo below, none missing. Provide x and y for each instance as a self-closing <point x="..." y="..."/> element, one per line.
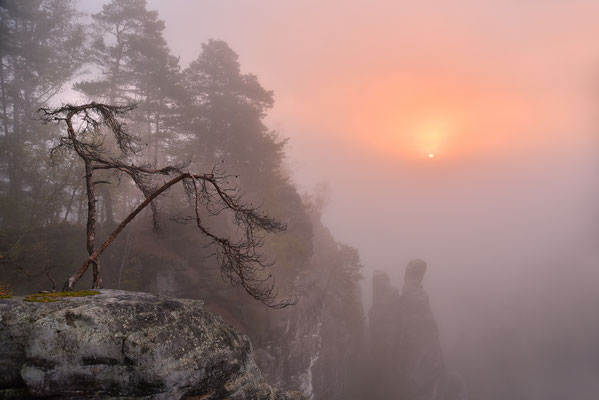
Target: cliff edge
<point x="124" y="345"/>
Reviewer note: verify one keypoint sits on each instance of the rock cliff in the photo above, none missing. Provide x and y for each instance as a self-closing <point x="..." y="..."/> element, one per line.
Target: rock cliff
<point x="117" y="345"/>
<point x="384" y="331"/>
<point x="405" y="347"/>
<point x="314" y="347"/>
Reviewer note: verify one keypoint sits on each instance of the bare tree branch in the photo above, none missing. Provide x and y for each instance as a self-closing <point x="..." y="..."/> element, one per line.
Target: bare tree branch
<point x="45" y="271"/>
<point x="240" y="262"/>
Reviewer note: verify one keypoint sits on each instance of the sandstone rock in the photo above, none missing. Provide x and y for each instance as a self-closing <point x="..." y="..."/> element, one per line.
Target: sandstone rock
<point x="421" y="374"/>
<point x="405" y="346"/>
<point x="118" y="345"/>
<point x="415" y="273"/>
<point x="384" y="330"/>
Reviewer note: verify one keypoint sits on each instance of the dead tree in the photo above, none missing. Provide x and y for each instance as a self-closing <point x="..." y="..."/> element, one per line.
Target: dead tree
<point x="239" y="259"/>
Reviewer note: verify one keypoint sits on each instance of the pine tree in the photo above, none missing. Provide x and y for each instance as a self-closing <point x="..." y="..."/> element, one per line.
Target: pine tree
<point x="227" y="122"/>
<point x="135" y="66"/>
<point x="41" y="50"/>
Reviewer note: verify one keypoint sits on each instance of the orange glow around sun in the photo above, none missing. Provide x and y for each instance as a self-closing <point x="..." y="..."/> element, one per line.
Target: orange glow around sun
<point x="430" y="135"/>
<point x="416" y="132"/>
<point x="412" y="116"/>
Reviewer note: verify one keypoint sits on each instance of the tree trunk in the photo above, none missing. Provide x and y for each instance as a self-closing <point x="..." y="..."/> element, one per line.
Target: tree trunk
<point x="80" y="209"/>
<point x="66" y="214"/>
<point x="125" y="257"/>
<point x="93" y="258"/>
<point x="91" y="224"/>
<point x="3" y="94"/>
<point x="108" y="208"/>
<point x="13" y="173"/>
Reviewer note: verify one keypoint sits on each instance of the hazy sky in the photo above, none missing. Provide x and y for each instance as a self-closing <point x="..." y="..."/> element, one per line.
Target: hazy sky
<point x="503" y="93"/>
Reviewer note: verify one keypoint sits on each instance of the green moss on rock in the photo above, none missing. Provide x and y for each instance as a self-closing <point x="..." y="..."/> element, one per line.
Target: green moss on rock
<point x="56" y="296"/>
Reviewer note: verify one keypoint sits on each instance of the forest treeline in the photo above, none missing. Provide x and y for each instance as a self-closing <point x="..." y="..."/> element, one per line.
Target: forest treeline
<point x="198" y="116"/>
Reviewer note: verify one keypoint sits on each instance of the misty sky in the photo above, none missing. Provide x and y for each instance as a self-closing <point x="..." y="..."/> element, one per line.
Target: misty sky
<point x="503" y="93"/>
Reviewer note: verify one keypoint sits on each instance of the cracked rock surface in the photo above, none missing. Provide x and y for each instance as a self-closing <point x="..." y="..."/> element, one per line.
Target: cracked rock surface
<point x="124" y="345"/>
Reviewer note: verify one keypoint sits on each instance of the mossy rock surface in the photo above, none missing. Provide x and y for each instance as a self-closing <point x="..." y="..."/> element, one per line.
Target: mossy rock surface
<point x="57" y="296"/>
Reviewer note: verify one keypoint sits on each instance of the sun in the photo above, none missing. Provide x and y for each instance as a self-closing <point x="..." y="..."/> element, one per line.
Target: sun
<point x="430" y="134"/>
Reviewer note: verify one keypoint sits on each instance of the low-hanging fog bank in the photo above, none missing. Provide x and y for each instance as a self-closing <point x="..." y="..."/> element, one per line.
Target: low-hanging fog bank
<point x="511" y="245"/>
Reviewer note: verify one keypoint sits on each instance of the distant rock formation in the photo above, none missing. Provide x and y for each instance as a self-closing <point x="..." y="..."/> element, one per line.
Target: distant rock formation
<point x="422" y="371"/>
<point x="405" y="347"/>
<point x="384" y="328"/>
<point x="117" y="345"/>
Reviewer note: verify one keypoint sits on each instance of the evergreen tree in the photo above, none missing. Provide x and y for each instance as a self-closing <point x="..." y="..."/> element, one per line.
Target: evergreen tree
<point x="135" y="66"/>
<point x="226" y="127"/>
<point x="41" y="49"/>
<point x="126" y="36"/>
<point x="227" y="119"/>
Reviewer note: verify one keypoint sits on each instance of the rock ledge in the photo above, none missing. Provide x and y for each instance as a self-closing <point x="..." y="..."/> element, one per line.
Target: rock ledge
<point x="124" y="345"/>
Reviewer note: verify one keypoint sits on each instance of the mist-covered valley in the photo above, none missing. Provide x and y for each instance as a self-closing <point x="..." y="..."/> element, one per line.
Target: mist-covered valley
<point x="389" y="200"/>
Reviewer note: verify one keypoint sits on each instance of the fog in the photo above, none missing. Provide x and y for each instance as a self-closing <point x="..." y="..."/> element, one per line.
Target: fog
<point x="506" y="212"/>
<point x="504" y="97"/>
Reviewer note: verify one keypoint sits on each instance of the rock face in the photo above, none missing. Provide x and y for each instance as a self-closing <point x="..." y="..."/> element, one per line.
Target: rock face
<point x="422" y="372"/>
<point x="118" y="345"/>
<point x="405" y="346"/>
<point x="290" y="347"/>
<point x="313" y="347"/>
<point x="384" y="331"/>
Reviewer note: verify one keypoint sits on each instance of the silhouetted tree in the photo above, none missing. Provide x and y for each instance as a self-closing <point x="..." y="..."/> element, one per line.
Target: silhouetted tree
<point x="240" y="262"/>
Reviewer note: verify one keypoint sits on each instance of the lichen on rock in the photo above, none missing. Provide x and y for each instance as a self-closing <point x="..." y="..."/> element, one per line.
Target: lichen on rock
<point x="117" y="345"/>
